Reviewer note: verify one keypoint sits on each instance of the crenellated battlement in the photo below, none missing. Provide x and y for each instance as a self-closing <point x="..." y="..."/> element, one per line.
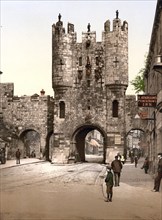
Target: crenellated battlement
<point x="99" y="62"/>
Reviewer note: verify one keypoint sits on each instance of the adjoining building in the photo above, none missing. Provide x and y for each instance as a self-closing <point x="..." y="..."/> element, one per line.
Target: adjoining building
<point x="153" y="86"/>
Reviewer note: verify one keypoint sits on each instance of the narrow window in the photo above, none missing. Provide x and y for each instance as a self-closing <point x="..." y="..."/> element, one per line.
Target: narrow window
<point x="88" y="83"/>
<point x="97" y="61"/>
<point x="80" y="61"/>
<point x="62" y="109"/>
<point x="115" y="108"/>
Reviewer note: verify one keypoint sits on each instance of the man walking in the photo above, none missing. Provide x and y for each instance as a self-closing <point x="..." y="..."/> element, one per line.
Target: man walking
<point x="136" y="161"/>
<point x="18" y="154"/>
<point x="116" y="167"/>
<point x="158" y="178"/>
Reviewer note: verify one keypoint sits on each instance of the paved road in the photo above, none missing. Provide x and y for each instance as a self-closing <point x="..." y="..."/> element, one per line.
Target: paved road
<point x="40" y="190"/>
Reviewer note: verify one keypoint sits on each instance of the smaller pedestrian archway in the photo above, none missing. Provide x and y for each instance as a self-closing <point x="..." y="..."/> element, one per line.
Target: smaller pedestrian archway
<point x="29" y="143"/>
<point x="135" y="143"/>
<point x="86" y="146"/>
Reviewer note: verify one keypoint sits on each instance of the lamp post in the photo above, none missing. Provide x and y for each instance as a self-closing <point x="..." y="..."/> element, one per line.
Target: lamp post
<point x="158" y="64"/>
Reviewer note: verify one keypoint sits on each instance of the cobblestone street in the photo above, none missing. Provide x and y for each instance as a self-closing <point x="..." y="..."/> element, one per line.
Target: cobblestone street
<point x="41" y="190"/>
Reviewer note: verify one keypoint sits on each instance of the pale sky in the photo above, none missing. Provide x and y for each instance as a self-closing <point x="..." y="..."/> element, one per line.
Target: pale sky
<point x="26" y="36"/>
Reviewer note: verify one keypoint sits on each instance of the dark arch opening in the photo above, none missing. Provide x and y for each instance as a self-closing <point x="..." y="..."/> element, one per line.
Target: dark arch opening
<point x="29" y="143"/>
<point x="79" y="141"/>
<point x="48" y="147"/>
<point x="135" y="143"/>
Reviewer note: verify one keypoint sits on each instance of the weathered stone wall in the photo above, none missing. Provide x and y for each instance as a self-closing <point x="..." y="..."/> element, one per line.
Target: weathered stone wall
<point x="21" y="114"/>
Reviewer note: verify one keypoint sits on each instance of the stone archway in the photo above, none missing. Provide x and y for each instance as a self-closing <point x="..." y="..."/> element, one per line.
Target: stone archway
<point x="78" y="141"/>
<point x="135" y="142"/>
<point x="29" y="143"/>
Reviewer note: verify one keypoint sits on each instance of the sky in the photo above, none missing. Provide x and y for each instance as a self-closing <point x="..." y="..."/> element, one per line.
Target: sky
<point x="26" y="36"/>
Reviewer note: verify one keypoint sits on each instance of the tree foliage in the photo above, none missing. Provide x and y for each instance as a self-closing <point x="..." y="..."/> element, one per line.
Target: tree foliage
<point x="138" y="82"/>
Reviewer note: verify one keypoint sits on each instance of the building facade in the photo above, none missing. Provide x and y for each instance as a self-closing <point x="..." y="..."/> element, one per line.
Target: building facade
<point x="153" y="86"/>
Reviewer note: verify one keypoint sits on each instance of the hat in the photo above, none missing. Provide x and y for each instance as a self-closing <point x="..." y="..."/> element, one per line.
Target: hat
<point x="159" y="154"/>
<point x="108" y="167"/>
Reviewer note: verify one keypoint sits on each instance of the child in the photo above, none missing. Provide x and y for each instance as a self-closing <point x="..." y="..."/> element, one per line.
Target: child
<point x="109" y="184"/>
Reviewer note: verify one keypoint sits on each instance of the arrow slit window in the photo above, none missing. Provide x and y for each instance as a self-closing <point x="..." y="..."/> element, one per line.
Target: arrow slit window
<point x="62" y="109"/>
<point x="115" y="108"/>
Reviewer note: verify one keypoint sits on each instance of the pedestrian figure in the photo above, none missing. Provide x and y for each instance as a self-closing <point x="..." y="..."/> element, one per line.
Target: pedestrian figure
<point x="158" y="178"/>
<point x="122" y="159"/>
<point x="136" y="161"/>
<point x="18" y="154"/>
<point x="119" y="156"/>
<point x="116" y="167"/>
<point x="145" y="165"/>
<point x="109" y="184"/>
<point x="41" y="154"/>
<point x="33" y="154"/>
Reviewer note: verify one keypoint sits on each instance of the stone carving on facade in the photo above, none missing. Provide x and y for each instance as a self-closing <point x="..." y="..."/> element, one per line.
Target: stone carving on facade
<point x="70" y="28"/>
<point x="80" y="75"/>
<point x="99" y="65"/>
<point x="117" y="14"/>
<point x="59" y="25"/>
<point x="107" y="26"/>
<point x="89" y="27"/>
<point x="88" y="67"/>
<point x="88" y="41"/>
<point x="97" y="74"/>
<point x="88" y="117"/>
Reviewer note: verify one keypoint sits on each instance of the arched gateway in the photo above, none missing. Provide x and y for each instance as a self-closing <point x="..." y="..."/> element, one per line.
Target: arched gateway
<point x="79" y="138"/>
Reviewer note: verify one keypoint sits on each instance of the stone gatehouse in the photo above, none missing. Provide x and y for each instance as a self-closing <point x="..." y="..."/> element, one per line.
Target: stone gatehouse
<point x="89" y="80"/>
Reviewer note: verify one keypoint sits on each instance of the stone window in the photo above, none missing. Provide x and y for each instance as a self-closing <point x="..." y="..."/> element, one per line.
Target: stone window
<point x="88" y="83"/>
<point x="115" y="108"/>
<point x="97" y="61"/>
<point x="80" y="61"/>
<point x="62" y="109"/>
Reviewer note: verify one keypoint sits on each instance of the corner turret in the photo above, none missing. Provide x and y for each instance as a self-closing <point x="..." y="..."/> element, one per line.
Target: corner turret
<point x="116" y="52"/>
<point x="62" y="55"/>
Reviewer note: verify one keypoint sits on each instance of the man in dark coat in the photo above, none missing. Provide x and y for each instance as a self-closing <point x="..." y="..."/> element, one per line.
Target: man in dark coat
<point x="18" y="154"/>
<point x="158" y="178"/>
<point x="116" y="167"/>
<point x="109" y="184"/>
<point x="135" y="161"/>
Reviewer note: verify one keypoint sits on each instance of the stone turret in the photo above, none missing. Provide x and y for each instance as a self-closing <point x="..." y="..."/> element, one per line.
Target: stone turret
<point x="116" y="53"/>
<point x="62" y="55"/>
